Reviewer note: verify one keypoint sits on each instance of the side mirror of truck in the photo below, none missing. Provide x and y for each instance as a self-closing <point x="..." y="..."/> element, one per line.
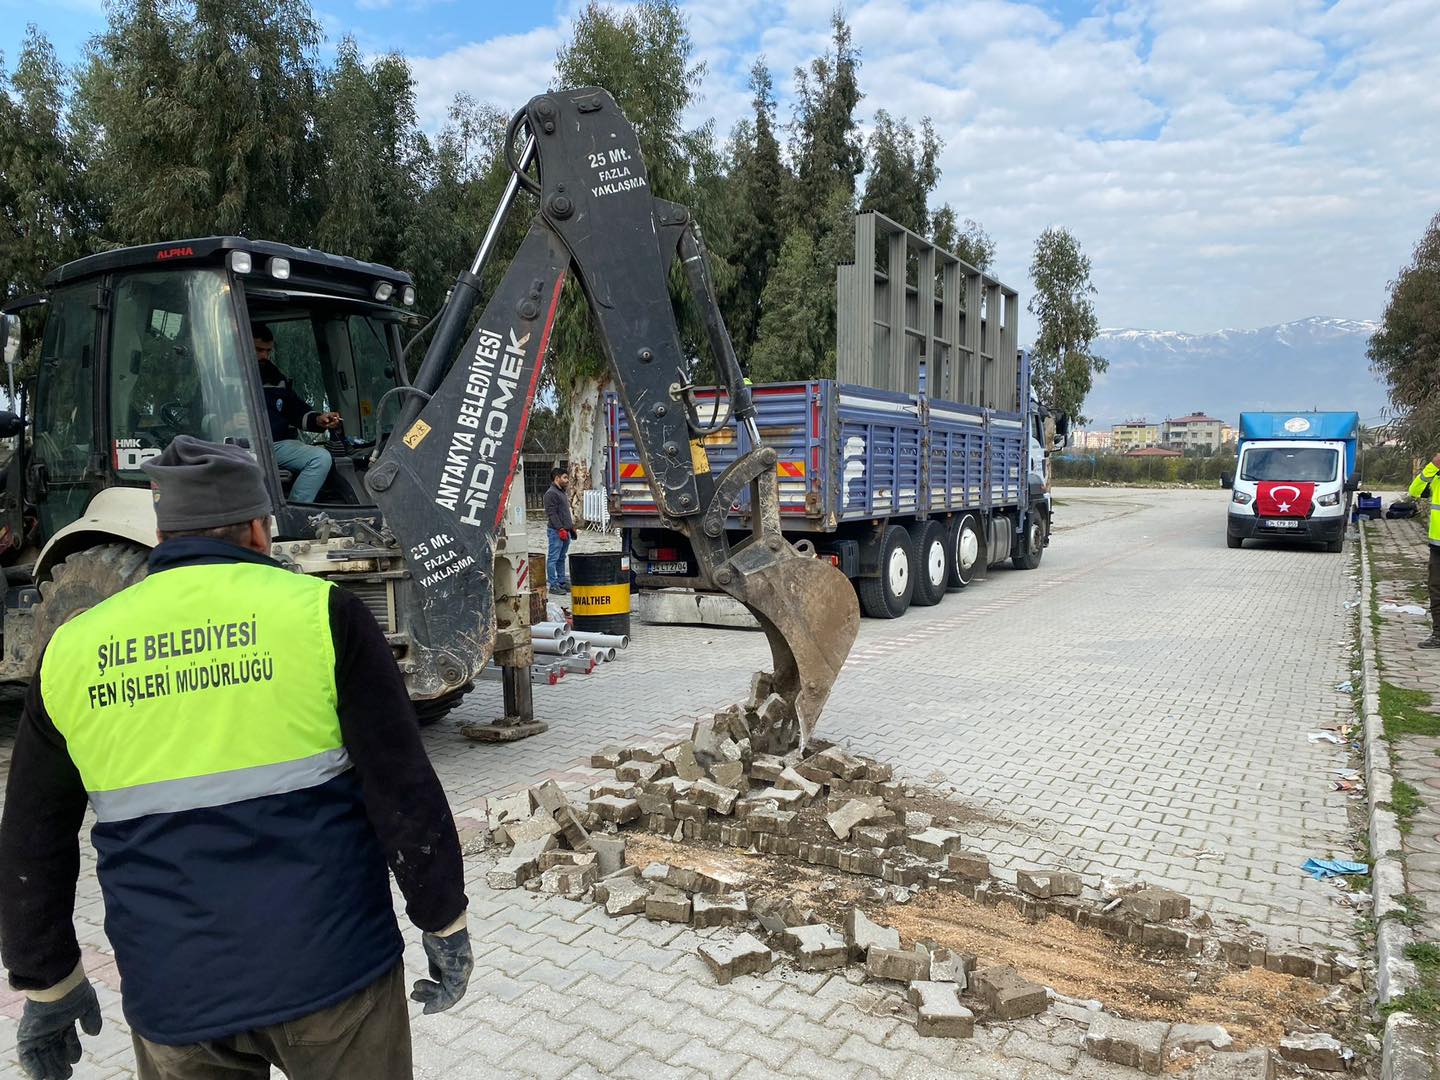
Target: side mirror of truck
<point x="1352" y="484"/>
<point x="10" y="424"/>
<point x="1227" y="480"/>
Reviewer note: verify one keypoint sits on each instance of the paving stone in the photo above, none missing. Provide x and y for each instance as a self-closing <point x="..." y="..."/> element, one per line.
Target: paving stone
<point x="1319" y="1051"/>
<point x="1044" y="884"/>
<point x="682" y="759"/>
<point x="1139" y="1044"/>
<point x="619" y="811"/>
<point x="609" y="853"/>
<point x="861" y="934"/>
<point x="1156" y="905"/>
<point x="609" y="757"/>
<point x="667" y="904"/>
<point x="933" y="843"/>
<point x="729" y="774"/>
<point x="1258" y="1064"/>
<point x="1188" y="1038"/>
<point x="816" y="947"/>
<point x="1007" y="994"/>
<point x="917" y="819"/>
<point x="638" y="771"/>
<point x="626" y="896"/>
<point x="854" y="812"/>
<point x="899" y="965"/>
<point x="940" y="1013"/>
<point x="713" y="796"/>
<point x="969" y="865"/>
<point x="793" y="781"/>
<point x="519" y="866"/>
<point x="774" y="822"/>
<point x="766" y="768"/>
<point x="949" y="966"/>
<point x="724" y="910"/>
<point x="878" y="836"/>
<point x="745" y="955"/>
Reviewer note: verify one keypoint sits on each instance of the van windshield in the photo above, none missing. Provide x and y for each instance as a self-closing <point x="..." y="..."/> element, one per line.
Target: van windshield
<point x="1315" y="464"/>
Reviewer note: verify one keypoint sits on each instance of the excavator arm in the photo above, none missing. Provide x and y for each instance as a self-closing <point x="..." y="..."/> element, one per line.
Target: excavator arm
<point x="442" y="480"/>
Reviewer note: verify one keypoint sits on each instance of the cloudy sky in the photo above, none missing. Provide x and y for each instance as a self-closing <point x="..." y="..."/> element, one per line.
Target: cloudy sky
<point x="1225" y="163"/>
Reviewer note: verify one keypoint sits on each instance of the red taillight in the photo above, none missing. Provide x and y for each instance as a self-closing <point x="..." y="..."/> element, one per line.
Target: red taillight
<point x="667" y="554"/>
<point x="833" y="560"/>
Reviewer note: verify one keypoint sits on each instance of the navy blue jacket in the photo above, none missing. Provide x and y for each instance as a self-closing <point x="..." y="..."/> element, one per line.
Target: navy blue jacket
<point x="233" y="917"/>
<point x="288" y="411"/>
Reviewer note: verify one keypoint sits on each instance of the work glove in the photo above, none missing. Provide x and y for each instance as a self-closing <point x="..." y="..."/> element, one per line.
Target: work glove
<point x="450" y="965"/>
<point x="46" y="1038"/>
<point x="564" y="534"/>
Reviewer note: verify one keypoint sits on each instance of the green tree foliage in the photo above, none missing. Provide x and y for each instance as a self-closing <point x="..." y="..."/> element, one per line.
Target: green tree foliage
<point x="968" y="240"/>
<point x="903" y="171"/>
<point x="1406" y="348"/>
<point x="201" y="115"/>
<point x="45" y="209"/>
<point x="1064" y="367"/>
<point x="825" y="143"/>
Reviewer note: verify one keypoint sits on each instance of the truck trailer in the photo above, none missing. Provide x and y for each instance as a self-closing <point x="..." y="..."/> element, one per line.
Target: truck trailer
<point x="1294" y="476"/>
<point x="919" y="466"/>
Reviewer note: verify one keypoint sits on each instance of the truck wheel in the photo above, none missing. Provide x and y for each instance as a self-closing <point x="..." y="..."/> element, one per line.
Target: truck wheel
<point x="1029" y="559"/>
<point x="933" y="570"/>
<point x="966" y="551"/>
<point x="82" y="580"/>
<point x="888" y="595"/>
<point x="1337" y="545"/>
<point x="1233" y="541"/>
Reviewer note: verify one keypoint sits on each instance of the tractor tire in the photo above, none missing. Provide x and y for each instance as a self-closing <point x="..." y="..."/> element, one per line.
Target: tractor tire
<point x="888" y="595"/>
<point x="82" y="580"/>
<point x="967" y="550"/>
<point x="932" y="565"/>
<point x="436" y="709"/>
<point x="1029" y="558"/>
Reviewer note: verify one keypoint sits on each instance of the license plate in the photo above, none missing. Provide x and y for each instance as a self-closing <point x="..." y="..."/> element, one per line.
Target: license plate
<point x="1280" y="524"/>
<point x="667" y="567"/>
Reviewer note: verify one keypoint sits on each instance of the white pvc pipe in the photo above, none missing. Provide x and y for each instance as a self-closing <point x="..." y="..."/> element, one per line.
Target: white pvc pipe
<point x="554" y="647"/>
<point x="549" y="630"/>
<point x="608" y="641"/>
<point x="602" y="656"/>
<point x="597" y="656"/>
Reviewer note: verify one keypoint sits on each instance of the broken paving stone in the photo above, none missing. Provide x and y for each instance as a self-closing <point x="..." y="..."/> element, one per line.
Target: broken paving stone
<point x="948" y="966"/>
<point x="508" y="808"/>
<point x="767" y="913"/>
<point x="933" y="843"/>
<point x="915" y="819"/>
<point x="778" y="822"/>
<point x="625" y="896"/>
<point x="519" y="866"/>
<point x="1188" y="1038"/>
<point x="652" y="802"/>
<point x="656" y="872"/>
<point x="1007" y="994"/>
<point x="766" y="767"/>
<point x="1137" y="1043"/>
<point x="1318" y="1051"/>
<point x="609" y="808"/>
<point x="762" y="685"/>
<point x="638" y="771"/>
<point x="1251" y="1065"/>
<point x="853" y="813"/>
<point x="690" y="811"/>
<point x="623" y="789"/>
<point x="667" y="904"/>
<point x="816" y="947"/>
<point x="609" y="757"/>
<point x="861" y="934"/>
<point x="729" y="774"/>
<point x="568" y="880"/>
<point x="746" y="955"/>
<point x="898" y="965"/>
<point x="840" y="763"/>
<point x="791" y="780"/>
<point x="682" y="760"/>
<point x="878" y="836"/>
<point x="548" y="796"/>
<point x="970" y="865"/>
<point x="555" y="857"/>
<point x="794" y="914"/>
<point x="670" y="787"/>
<point x="712" y="796"/>
<point x="1155" y="904"/>
<point x="1043" y="884"/>
<point x="940" y="1013"/>
<point x="652" y="751"/>
<point x="570" y="827"/>
<point x="724" y="910"/>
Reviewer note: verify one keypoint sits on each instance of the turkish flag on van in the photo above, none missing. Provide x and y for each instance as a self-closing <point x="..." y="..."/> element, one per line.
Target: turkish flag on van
<point x="1281" y="499"/>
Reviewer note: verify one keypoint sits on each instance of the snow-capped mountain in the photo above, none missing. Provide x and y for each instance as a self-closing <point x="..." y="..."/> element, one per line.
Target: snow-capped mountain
<point x="1315" y="363"/>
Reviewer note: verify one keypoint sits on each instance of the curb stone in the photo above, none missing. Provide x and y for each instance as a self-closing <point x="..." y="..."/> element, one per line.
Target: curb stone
<point x="1402" y="1054"/>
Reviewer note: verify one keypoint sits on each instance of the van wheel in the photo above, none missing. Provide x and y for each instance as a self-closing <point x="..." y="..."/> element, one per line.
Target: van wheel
<point x="1335" y="546"/>
<point x="82" y="580"/>
<point x="1233" y="541"/>
<point x="966" y="551"/>
<point x="932" y="572"/>
<point x="1029" y="559"/>
<point x="888" y="595"/>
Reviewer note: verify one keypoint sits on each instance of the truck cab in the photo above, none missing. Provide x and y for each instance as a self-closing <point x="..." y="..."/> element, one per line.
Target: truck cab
<point x="1294" y="476"/>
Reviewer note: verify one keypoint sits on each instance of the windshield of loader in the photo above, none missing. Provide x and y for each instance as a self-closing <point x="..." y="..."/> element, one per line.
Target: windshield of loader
<point x="175" y="365"/>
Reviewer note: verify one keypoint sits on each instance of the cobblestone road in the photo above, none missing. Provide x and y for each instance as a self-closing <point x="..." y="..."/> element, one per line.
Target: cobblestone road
<point x="1137" y="705"/>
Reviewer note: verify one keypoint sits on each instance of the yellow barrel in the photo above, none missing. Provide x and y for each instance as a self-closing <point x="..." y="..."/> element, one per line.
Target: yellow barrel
<point x="600" y="592"/>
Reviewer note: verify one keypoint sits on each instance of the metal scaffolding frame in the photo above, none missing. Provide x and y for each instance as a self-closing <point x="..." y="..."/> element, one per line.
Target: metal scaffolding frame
<point x="966" y="338"/>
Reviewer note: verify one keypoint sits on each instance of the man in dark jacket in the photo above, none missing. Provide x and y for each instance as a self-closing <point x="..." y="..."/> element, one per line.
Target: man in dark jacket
<point x="245" y="740"/>
<point x="289" y="413"/>
<point x="559" y="528"/>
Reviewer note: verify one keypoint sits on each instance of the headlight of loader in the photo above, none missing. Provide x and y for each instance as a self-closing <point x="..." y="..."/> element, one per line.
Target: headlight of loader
<point x="1333" y="499"/>
<point x="1239" y="497"/>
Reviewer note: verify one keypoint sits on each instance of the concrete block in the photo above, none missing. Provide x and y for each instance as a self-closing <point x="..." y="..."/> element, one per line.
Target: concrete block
<point x="568" y="880"/>
<point x="728" y="774"/>
<point x="940" y="1013"/>
<point x="571" y="829"/>
<point x="1251" y="1065"/>
<point x="933" y="843"/>
<point x="652" y="751"/>
<point x="556" y="857"/>
<point x="840" y="763"/>
<point x="777" y="822"/>
<point x="1154" y="904"/>
<point x="766" y="768"/>
<point x="878" y="836"/>
<point x="1007" y="994"/>
<point x="705" y="740"/>
<point x="619" y="811"/>
<point x="1044" y="884"/>
<point x="520" y="865"/>
<point x="682" y="760"/>
<point x="878" y="773"/>
<point x="717" y="882"/>
<point x="816" y="947"/>
<point x="638" y="771"/>
<point x="652" y="802"/>
<point x="861" y="934"/>
<point x="746" y="955"/>
<point x="814" y="773"/>
<point x="897" y="964"/>
<point x="1188" y="1038"/>
<point x="854" y="812"/>
<point x="917" y="819"/>
<point x="655" y="872"/>
<point x="725" y="910"/>
<point x="548" y="797"/>
<point x="667" y="904"/>
<point x="1140" y="1044"/>
<point x="609" y="757"/>
<point x="670" y="787"/>
<point x="623" y="789"/>
<point x="689" y="811"/>
<point x="1318" y="1051"/>
<point x="948" y="966"/>
<point x="712" y="796"/>
<point x="625" y="896"/>
<point x="793" y="781"/>
<point x="970" y="865"/>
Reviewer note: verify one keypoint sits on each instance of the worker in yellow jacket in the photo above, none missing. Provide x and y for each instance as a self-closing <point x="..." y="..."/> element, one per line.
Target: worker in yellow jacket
<point x="1424" y="484"/>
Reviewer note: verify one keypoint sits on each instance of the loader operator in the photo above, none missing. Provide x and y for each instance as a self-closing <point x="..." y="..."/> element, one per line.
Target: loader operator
<point x="253" y="761"/>
<point x="288" y="411"/>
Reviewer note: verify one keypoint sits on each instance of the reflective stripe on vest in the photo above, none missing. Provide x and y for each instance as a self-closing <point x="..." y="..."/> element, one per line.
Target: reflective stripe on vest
<point x="199" y="686"/>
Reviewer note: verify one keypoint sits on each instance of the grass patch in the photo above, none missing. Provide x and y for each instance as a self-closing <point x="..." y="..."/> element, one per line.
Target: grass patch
<point x="1406" y="712"/>
<point x="1424" y="1000"/>
<point x="1412" y="910"/>
<point x="1405" y="803"/>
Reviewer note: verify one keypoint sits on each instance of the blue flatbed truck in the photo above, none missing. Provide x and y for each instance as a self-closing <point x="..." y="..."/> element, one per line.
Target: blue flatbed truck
<point x="910" y="494"/>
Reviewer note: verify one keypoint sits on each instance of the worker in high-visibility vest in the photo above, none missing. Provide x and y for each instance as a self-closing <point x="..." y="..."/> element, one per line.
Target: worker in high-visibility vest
<point x="1422" y="485"/>
<point x="246" y="743"/>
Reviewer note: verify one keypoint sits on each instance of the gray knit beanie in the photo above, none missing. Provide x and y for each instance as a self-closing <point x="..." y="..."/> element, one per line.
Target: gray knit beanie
<point x="203" y="485"/>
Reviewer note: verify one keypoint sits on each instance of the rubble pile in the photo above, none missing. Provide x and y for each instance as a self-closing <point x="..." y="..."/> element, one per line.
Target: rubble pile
<point x="733" y="783"/>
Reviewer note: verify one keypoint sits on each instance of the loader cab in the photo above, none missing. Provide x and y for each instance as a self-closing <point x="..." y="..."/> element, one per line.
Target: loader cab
<point x="143" y="344"/>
